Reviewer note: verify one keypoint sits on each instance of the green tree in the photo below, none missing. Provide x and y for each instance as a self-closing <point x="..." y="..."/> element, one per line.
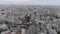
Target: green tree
<point x="0" y="31"/>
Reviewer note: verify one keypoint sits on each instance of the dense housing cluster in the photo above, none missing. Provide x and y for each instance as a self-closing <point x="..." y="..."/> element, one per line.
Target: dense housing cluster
<point x="29" y="20"/>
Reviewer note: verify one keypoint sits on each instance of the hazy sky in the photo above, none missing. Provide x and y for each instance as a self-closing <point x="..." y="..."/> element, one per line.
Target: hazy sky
<point x="35" y="2"/>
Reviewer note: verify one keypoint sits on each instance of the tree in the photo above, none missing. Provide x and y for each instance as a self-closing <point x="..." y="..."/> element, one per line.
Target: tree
<point x="1" y="31"/>
<point x="6" y="22"/>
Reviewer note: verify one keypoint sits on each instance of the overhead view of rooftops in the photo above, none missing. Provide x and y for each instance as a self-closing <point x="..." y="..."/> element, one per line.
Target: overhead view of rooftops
<point x="29" y="17"/>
